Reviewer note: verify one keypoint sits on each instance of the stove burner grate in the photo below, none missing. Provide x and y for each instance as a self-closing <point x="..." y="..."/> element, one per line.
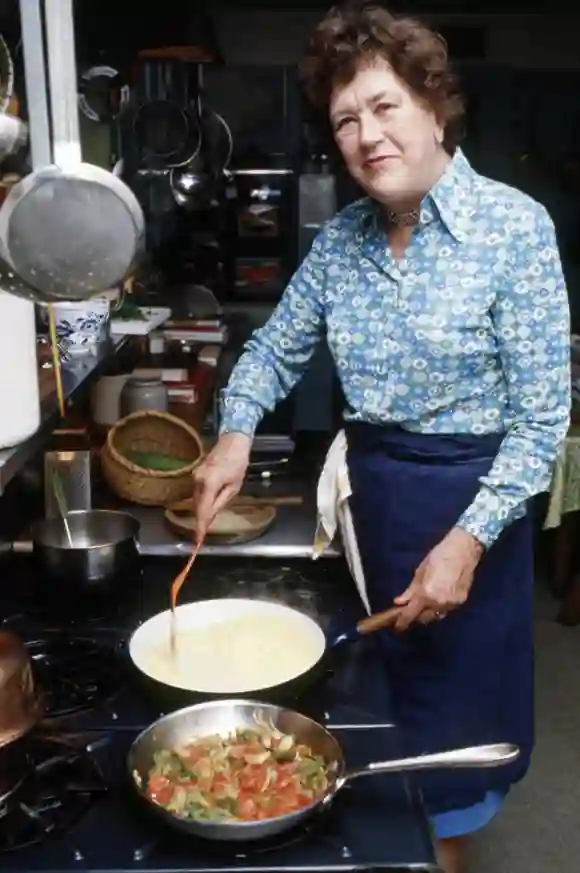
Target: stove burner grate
<point x="62" y="783"/>
<point x="313" y="829"/>
<point x="74" y="674"/>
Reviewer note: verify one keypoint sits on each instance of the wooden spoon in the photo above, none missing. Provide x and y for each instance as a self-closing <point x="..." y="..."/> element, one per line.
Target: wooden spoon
<point x="176" y="586"/>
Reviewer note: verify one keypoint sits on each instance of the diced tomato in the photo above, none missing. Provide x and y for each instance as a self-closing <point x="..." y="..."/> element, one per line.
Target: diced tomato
<point x="246" y="808"/>
<point x="304" y="800"/>
<point x="160" y="790"/>
<point x="253" y="778"/>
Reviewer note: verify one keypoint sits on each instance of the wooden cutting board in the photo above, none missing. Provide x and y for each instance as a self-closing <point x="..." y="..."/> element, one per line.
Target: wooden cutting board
<point x="237" y="523"/>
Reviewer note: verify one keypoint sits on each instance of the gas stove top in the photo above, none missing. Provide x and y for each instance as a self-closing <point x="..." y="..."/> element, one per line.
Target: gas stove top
<point x="68" y="805"/>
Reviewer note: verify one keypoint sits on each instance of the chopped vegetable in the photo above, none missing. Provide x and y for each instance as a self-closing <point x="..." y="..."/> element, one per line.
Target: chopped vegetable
<point x="251" y="775"/>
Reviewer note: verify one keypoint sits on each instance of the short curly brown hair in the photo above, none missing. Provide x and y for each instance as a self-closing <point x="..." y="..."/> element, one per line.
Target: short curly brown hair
<point x="356" y="33"/>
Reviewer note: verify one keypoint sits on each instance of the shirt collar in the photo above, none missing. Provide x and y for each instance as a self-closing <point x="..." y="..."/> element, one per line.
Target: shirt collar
<point x="452" y="200"/>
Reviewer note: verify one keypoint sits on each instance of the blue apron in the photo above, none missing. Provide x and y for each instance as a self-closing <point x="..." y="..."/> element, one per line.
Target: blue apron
<point x="467" y="679"/>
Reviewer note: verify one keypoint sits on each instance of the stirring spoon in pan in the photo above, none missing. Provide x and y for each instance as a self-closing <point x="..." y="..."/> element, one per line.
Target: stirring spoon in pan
<point x="176" y="586"/>
<point x="223" y="498"/>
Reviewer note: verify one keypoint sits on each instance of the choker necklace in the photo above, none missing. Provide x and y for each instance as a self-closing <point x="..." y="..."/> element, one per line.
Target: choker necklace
<point x="404" y="219"/>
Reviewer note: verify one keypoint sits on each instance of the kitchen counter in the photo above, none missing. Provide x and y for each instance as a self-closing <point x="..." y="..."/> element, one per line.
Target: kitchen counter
<point x="291" y="535"/>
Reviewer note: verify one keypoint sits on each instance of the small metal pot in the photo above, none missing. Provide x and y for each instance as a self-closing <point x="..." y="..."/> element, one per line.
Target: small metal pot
<point x="104" y="545"/>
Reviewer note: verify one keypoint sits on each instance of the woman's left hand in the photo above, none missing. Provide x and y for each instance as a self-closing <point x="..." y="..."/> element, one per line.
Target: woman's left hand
<point x="442" y="581"/>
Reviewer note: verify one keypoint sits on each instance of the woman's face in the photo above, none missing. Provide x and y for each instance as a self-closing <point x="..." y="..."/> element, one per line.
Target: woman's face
<point x="390" y="141"/>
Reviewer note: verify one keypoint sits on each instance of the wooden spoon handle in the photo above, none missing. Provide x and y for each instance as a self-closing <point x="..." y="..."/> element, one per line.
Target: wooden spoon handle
<point x="177" y="583"/>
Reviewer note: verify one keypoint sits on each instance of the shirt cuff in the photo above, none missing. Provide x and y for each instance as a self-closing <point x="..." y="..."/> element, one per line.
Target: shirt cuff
<point x="488" y="516"/>
<point x="239" y="417"/>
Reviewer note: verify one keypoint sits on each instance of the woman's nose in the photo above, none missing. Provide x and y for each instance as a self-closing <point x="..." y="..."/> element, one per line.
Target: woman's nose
<point x="370" y="130"/>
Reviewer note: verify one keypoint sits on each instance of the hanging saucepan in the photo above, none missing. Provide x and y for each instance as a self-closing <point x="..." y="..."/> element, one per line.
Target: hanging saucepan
<point x="101" y="93"/>
<point x="194" y="184"/>
<point x="6" y="75"/>
<point x="176" y="731"/>
<point x="165" y="134"/>
<point x="194" y="677"/>
<point x="13" y="131"/>
<point x="71" y="230"/>
<point x="218" y="140"/>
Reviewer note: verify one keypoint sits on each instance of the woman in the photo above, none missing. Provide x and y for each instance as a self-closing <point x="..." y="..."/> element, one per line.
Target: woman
<point x="442" y="299"/>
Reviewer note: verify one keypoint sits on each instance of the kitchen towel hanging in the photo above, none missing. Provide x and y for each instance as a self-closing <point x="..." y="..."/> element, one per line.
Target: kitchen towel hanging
<point x="334" y="515"/>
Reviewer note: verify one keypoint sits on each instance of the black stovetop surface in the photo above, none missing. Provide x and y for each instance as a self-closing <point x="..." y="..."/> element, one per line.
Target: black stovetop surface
<point x="76" y="810"/>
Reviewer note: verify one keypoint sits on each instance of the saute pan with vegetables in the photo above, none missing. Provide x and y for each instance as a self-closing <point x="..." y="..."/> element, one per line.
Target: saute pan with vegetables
<point x="243" y="770"/>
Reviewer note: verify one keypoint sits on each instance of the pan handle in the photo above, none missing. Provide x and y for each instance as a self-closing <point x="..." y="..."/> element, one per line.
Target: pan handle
<point x="375" y="622"/>
<point x="495" y="755"/>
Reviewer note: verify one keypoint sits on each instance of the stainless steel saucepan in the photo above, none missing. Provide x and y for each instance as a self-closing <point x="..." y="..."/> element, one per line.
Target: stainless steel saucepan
<point x="103" y="545"/>
<point x="226" y="716"/>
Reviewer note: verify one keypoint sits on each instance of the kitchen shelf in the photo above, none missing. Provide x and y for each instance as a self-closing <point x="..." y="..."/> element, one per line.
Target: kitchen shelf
<point x="75" y="375"/>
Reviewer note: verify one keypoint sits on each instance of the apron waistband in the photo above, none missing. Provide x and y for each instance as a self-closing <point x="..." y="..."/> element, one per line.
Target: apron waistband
<point x="422" y="448"/>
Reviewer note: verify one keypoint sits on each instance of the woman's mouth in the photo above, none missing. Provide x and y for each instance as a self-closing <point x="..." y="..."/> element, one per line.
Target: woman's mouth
<point x="377" y="161"/>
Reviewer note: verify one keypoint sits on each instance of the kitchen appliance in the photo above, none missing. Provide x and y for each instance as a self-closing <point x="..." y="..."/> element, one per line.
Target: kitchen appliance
<point x="74" y="809"/>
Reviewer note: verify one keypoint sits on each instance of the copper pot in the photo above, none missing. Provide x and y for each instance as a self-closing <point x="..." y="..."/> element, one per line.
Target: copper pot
<point x="20" y="704"/>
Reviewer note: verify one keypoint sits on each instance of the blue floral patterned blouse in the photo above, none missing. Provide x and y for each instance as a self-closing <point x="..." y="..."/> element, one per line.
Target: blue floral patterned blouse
<point x="469" y="333"/>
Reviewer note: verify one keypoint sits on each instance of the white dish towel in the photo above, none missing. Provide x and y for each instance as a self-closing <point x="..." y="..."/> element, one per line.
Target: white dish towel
<point x="334" y="515"/>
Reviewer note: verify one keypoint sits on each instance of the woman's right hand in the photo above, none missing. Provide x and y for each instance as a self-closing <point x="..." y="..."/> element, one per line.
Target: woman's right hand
<point x="219" y="478"/>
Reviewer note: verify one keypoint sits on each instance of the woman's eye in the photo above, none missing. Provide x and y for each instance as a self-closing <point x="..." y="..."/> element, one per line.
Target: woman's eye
<point x="344" y="122"/>
<point x="384" y="107"/>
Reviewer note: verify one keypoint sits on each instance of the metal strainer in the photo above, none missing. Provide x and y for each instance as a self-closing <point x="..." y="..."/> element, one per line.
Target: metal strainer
<point x="71" y="230"/>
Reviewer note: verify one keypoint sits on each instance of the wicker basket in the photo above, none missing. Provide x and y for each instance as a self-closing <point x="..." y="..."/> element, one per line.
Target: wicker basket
<point x="151" y="432"/>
